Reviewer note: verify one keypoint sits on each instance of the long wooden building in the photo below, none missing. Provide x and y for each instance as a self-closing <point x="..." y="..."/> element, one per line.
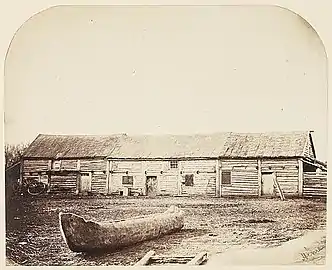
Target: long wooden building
<point x="220" y="164"/>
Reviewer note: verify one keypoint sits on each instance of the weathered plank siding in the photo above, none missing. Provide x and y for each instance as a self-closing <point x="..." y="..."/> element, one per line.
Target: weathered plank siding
<point x="70" y="164"/>
<point x="169" y="179"/>
<point x="122" y="168"/>
<point x="315" y="184"/>
<point x="98" y="183"/>
<point x="168" y="183"/>
<point x="116" y="182"/>
<point x="39" y="165"/>
<point x="89" y="165"/>
<point x="287" y="174"/>
<point x="63" y="182"/>
<point x="244" y="177"/>
<point x="29" y="176"/>
<point x="204" y="172"/>
<point x="166" y="177"/>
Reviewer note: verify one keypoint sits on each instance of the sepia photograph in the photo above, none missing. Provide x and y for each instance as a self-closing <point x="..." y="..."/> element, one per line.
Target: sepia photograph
<point x="166" y="136"/>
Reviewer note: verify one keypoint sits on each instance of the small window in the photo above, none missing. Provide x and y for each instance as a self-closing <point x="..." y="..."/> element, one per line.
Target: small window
<point x="174" y="164"/>
<point x="127" y="180"/>
<point x="226" y="178"/>
<point x="189" y="180"/>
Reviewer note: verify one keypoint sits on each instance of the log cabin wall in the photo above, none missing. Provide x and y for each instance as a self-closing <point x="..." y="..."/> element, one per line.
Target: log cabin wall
<point x="64" y="175"/>
<point x="32" y="169"/>
<point x="204" y="177"/>
<point x="243" y="177"/>
<point x="287" y="174"/>
<point x="170" y="178"/>
<point x="167" y="178"/>
<point x="63" y="182"/>
<point x="125" y="168"/>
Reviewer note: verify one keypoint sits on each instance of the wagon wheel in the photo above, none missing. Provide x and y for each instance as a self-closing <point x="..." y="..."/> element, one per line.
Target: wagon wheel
<point x="36" y="188"/>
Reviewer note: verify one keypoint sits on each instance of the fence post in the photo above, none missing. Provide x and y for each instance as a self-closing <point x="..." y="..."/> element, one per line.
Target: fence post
<point x="300" y="178"/>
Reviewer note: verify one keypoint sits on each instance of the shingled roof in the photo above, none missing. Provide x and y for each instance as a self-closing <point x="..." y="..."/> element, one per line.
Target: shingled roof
<point x="229" y="145"/>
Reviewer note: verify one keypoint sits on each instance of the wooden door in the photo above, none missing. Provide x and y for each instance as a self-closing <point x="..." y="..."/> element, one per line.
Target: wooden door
<point x="267" y="184"/>
<point x="151" y="186"/>
<point x="85" y="182"/>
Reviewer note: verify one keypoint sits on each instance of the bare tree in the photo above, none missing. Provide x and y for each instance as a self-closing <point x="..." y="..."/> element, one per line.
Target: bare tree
<point x="13" y="153"/>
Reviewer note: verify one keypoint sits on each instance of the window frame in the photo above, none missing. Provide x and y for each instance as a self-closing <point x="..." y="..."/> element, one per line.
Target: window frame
<point x="128" y="177"/>
<point x="174" y="164"/>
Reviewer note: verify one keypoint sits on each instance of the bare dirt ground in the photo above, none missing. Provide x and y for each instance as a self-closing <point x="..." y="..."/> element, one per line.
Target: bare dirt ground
<point x="215" y="225"/>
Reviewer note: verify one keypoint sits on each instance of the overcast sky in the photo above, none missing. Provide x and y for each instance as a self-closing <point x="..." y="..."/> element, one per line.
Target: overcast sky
<point x="180" y="70"/>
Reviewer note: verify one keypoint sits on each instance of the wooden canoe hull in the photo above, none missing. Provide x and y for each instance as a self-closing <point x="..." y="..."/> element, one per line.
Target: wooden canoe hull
<point x="88" y="236"/>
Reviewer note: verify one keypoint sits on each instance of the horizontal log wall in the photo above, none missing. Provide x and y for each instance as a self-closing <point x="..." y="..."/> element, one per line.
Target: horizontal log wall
<point x="35" y="165"/>
<point x="98" y="184"/>
<point x="30" y="176"/>
<point x="168" y="183"/>
<point x="65" y="183"/>
<point x="70" y="164"/>
<point x="244" y="177"/>
<point x="287" y="173"/>
<point x="166" y="177"/>
<point x="315" y="184"/>
<point x="116" y="182"/>
<point x="204" y="172"/>
<point x="93" y="165"/>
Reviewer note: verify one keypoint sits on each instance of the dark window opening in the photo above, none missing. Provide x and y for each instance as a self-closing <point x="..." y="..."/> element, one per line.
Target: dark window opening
<point x="226" y="178"/>
<point x="308" y="167"/>
<point x="174" y="164"/>
<point x="127" y="180"/>
<point x="189" y="180"/>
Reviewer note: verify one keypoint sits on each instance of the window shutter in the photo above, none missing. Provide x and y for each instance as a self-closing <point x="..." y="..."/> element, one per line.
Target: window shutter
<point x="226" y="178"/>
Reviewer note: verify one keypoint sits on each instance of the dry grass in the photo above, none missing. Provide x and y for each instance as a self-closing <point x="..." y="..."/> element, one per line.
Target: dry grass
<point x="215" y="225"/>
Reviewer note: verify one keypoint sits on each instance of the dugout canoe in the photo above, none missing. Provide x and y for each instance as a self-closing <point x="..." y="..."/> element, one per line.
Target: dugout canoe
<point x="88" y="236"/>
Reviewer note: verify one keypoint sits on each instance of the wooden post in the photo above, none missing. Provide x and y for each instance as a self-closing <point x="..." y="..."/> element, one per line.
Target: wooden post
<point x="107" y="188"/>
<point x="281" y="194"/>
<point x="144" y="177"/>
<point x="300" y="188"/>
<point x="145" y="260"/>
<point x="218" y="178"/>
<point x="78" y="183"/>
<point x="259" y="167"/>
<point x="78" y="177"/>
<point x="49" y="175"/>
<point x="179" y="178"/>
<point x="49" y="165"/>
